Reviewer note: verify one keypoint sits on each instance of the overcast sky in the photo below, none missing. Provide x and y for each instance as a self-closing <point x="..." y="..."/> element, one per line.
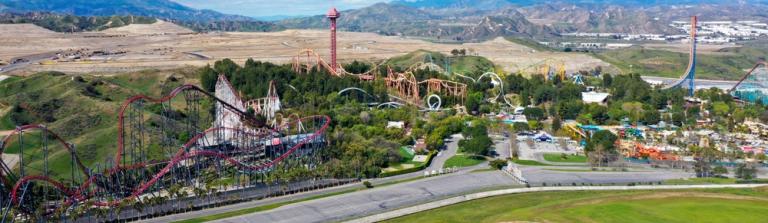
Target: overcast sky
<point x="262" y="8"/>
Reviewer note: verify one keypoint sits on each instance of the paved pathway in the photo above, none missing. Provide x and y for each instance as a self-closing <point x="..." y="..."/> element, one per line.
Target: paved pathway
<point x="377" y="200"/>
<point x="451" y="148"/>
<point x="537" y="175"/>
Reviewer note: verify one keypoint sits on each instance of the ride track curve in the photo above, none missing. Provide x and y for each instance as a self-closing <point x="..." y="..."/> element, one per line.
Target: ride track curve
<point x="78" y="195"/>
<point x="690" y="72"/>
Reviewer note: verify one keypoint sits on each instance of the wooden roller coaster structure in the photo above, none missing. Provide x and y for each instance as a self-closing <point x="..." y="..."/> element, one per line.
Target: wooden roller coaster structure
<point x="307" y="59"/>
<point x="407" y="86"/>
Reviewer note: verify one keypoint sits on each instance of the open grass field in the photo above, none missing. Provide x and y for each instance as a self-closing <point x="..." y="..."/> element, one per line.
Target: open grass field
<point x="724" y="64"/>
<point x="557" y="157"/>
<point x="461" y="160"/>
<point x="709" y="205"/>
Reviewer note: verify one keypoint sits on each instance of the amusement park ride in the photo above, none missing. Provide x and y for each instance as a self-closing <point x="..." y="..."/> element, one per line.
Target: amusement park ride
<point x="752" y="87"/>
<point x="155" y="152"/>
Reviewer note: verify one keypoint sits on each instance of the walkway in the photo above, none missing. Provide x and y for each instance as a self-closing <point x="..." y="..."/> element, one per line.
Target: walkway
<point x="452" y="147"/>
<point x="377" y="200"/>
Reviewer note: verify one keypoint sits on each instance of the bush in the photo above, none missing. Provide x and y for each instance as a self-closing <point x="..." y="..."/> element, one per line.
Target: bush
<point x="498" y="163"/>
<point x="367" y="184"/>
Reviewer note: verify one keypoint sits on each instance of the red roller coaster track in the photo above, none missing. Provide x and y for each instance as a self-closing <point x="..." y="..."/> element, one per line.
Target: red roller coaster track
<point x="77" y="194"/>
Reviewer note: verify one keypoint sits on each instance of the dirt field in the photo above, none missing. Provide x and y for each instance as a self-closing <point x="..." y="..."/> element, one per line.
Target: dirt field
<point x="165" y="45"/>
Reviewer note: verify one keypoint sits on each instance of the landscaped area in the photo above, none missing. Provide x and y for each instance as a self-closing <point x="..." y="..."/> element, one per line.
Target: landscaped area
<point x="406" y="161"/>
<point x="565" y="158"/>
<point x="461" y="160"/>
<point x="529" y="163"/>
<point x="709" y="205"/>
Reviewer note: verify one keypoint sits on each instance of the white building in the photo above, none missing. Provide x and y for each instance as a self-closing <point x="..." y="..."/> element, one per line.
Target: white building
<point x="594" y="97"/>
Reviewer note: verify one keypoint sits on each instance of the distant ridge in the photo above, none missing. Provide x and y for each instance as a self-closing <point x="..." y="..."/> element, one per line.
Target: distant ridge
<point x="163" y="9"/>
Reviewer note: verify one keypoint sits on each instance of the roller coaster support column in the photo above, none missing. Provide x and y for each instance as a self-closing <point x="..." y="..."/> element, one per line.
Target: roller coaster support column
<point x="333" y="14"/>
<point x="692" y="71"/>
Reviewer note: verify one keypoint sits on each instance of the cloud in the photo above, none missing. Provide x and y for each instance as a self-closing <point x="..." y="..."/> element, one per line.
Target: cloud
<point x="263" y="8"/>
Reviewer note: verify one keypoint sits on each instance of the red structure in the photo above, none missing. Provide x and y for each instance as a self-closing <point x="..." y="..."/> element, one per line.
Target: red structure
<point x="333" y="14"/>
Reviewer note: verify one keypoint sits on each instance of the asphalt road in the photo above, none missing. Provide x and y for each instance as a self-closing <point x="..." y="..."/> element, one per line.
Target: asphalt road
<point x="700" y="83"/>
<point x="536" y="175"/>
<point x="501" y="146"/>
<point x="451" y="148"/>
<point x="378" y="200"/>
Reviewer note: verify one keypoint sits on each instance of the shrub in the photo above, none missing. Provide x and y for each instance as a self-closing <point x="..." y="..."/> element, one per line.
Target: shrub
<point x="367" y="184"/>
<point x="498" y="163"/>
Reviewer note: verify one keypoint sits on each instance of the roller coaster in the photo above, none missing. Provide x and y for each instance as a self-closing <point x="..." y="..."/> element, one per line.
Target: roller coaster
<point x="688" y="77"/>
<point x="164" y="150"/>
<point x="307" y="59"/>
<point x="753" y="86"/>
<point x="407" y="87"/>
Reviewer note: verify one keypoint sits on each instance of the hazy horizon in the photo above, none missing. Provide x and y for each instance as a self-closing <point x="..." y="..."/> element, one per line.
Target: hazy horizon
<point x="287" y="8"/>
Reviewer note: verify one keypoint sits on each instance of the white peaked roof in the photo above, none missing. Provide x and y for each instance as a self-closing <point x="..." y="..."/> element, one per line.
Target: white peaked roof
<point x="594" y="97"/>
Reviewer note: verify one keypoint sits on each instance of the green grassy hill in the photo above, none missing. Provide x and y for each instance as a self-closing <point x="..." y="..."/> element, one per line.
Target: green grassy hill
<point x="726" y="64"/>
<point x="82" y="110"/>
<point x="459" y="64"/>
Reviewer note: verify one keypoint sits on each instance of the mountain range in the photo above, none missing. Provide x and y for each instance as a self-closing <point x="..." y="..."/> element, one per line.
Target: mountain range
<point x="162" y="9"/>
<point x="447" y="20"/>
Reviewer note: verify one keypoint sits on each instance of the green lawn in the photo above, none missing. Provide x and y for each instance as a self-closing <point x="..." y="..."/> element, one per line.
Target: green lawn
<point x="529" y="163"/>
<point x="712" y="205"/>
<point x="557" y="157"/>
<point x="461" y="160"/>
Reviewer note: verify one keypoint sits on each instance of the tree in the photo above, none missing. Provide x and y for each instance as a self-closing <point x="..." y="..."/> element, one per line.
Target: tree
<point x="478" y="145"/>
<point x="651" y="117"/>
<point x="603" y="138"/>
<point x="720" y="108"/>
<point x="634" y="109"/>
<point x="746" y="171"/>
<point x="208" y="78"/>
<point x="534" y="113"/>
<point x="720" y="170"/>
<point x="365" y="117"/>
<point x="455" y="52"/>
<point x="556" y="125"/>
<point x="520" y="126"/>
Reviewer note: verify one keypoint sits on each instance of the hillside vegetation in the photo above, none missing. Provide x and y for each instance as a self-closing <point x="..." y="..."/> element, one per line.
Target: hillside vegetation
<point x="468" y="65"/>
<point x="727" y="64"/>
<point x="82" y="110"/>
<point x="71" y="23"/>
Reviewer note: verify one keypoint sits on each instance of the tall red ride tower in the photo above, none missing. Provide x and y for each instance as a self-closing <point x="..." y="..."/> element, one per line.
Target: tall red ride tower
<point x="333" y="14"/>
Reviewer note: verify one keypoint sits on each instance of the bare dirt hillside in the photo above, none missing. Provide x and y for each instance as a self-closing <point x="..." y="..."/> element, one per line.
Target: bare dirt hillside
<point x="164" y="45"/>
<point x="158" y="27"/>
<point x="23" y="30"/>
